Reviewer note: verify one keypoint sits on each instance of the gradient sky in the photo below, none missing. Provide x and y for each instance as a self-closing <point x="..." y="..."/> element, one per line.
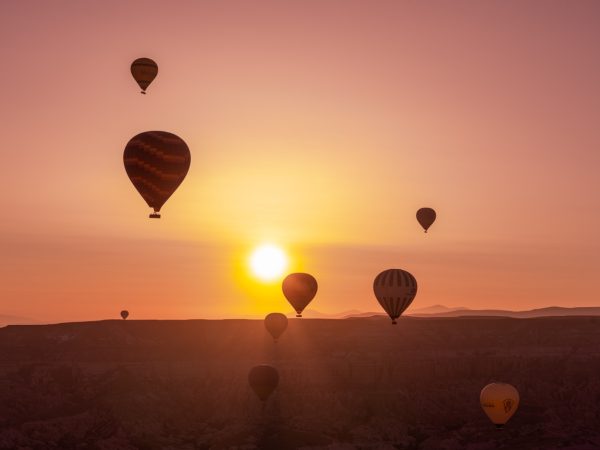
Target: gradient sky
<point x="318" y="125"/>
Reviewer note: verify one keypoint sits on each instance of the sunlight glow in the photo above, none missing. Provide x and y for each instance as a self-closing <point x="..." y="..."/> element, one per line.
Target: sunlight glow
<point x="268" y="262"/>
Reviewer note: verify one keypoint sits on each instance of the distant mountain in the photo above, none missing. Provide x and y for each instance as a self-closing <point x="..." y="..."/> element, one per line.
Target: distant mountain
<point x="314" y="314"/>
<point x="435" y="309"/>
<point x="551" y="311"/>
<point x="444" y="311"/>
<point x="426" y="311"/>
<point x="354" y="313"/>
<point x="364" y="314"/>
<point x="429" y="311"/>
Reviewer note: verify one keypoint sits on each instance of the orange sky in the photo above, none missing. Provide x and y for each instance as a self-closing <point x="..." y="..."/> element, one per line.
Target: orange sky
<point x="317" y="125"/>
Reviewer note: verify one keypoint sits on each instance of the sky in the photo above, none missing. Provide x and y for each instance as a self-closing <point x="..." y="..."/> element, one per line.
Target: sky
<point x="320" y="126"/>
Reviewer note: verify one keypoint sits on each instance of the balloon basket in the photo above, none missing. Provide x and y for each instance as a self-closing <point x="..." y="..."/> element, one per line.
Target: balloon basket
<point x="298" y="315"/>
<point x="154" y="215"/>
<point x="142" y="92"/>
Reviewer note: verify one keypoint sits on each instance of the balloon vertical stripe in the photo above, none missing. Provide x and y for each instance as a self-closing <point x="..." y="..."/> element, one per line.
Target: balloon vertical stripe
<point x="395" y="289"/>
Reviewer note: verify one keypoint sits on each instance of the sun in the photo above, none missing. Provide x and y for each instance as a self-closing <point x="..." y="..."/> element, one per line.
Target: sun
<point x="268" y="262"/>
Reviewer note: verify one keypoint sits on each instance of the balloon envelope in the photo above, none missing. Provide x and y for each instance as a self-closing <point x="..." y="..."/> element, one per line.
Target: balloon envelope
<point x="144" y="71"/>
<point x="156" y="163"/>
<point x="276" y="323"/>
<point x="499" y="401"/>
<point x="124" y="314"/>
<point x="395" y="290"/>
<point x="299" y="289"/>
<point x="426" y="217"/>
<point x="263" y="380"/>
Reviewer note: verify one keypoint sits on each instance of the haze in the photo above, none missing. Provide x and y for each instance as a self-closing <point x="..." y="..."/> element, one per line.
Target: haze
<point x="318" y="126"/>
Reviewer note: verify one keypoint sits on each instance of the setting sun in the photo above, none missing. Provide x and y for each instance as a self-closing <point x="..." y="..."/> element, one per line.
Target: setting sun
<point x="268" y="262"/>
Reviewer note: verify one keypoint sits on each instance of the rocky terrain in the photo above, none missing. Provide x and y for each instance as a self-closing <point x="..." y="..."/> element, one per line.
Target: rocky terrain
<point x="344" y="384"/>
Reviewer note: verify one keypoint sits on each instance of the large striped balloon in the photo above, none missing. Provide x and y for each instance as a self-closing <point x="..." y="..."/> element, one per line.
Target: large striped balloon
<point x="144" y="71"/>
<point x="156" y="163"/>
<point x="395" y="290"/>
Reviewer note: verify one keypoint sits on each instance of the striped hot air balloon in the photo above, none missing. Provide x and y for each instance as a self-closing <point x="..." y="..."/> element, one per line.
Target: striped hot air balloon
<point x="156" y="163"/>
<point x="144" y="71"/>
<point x="395" y="290"/>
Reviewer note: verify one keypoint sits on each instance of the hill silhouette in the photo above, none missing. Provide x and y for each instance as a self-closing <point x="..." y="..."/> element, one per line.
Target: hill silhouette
<point x="444" y="311"/>
<point x="551" y="311"/>
<point x="355" y="383"/>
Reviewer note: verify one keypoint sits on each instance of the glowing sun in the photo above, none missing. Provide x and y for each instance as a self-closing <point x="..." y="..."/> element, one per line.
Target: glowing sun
<point x="268" y="262"/>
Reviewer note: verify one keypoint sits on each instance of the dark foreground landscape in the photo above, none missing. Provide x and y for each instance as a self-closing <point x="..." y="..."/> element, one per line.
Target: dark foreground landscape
<point x="345" y="384"/>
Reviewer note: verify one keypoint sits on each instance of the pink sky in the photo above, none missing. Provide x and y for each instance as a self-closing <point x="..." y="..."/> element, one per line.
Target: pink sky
<point x="318" y="125"/>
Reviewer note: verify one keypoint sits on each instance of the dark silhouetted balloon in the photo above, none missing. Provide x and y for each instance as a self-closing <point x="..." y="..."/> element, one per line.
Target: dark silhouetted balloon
<point x="499" y="401"/>
<point x="124" y="314"/>
<point x="156" y="163"/>
<point x="144" y="71"/>
<point x="426" y="217"/>
<point x="263" y="380"/>
<point x="395" y="290"/>
<point x="276" y="323"/>
<point x="299" y="289"/>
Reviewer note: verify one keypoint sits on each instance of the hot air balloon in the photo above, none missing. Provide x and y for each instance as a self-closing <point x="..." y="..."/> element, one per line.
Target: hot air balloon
<point x="395" y="290"/>
<point x="263" y="380"/>
<point x="144" y="71"/>
<point x="426" y="217"/>
<point x="124" y="314"/>
<point x="276" y="323"/>
<point x="156" y="163"/>
<point x="299" y="289"/>
<point x="499" y="401"/>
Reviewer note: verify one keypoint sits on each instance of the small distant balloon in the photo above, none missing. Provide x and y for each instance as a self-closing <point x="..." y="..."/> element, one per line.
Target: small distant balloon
<point x="299" y="289"/>
<point x="144" y="71"/>
<point x="156" y="163"/>
<point x="276" y="324"/>
<point x="124" y="314"/>
<point x="263" y="380"/>
<point x="395" y="289"/>
<point x="426" y="217"/>
<point x="499" y="401"/>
